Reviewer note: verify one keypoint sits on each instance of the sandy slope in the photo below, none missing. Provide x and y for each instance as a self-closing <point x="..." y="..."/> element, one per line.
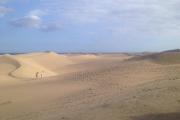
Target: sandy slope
<point x="94" y="87"/>
<point x="49" y="60"/>
<point x="47" y="64"/>
<point x="19" y="67"/>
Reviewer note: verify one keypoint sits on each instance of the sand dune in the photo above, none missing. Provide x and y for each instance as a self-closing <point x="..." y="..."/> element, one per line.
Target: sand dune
<point x="29" y="68"/>
<point x="8" y="64"/>
<point x="83" y="58"/>
<point x="49" y="60"/>
<point x="48" y="64"/>
<point x="94" y="87"/>
<point x="20" y="67"/>
<point x="27" y="65"/>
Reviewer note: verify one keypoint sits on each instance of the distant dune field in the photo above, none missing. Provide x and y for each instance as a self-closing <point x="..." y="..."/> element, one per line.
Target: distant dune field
<point x="51" y="86"/>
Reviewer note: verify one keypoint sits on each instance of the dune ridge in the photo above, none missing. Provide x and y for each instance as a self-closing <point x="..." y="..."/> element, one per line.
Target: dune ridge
<point x="8" y="65"/>
<point x="20" y="67"/>
<point x="50" y="60"/>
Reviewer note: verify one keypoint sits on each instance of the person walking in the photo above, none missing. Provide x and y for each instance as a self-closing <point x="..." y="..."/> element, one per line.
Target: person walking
<point x="42" y="72"/>
<point x="37" y="75"/>
<point x="41" y="75"/>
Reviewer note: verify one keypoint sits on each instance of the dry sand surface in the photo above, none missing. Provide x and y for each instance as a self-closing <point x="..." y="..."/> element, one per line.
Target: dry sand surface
<point x="50" y="86"/>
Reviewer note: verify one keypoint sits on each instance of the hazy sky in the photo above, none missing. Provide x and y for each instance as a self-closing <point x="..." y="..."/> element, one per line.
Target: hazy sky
<point x="89" y="25"/>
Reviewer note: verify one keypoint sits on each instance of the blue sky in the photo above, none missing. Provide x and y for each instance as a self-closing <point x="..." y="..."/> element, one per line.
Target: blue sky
<point x="89" y="25"/>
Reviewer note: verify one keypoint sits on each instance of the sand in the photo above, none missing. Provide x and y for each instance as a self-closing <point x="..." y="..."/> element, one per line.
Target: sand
<point x="88" y="87"/>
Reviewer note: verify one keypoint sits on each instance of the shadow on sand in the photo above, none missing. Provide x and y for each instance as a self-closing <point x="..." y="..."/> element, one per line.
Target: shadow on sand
<point x="163" y="116"/>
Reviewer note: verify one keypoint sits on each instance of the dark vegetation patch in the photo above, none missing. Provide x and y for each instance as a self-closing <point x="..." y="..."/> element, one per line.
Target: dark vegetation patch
<point x="166" y="57"/>
<point x="162" y="116"/>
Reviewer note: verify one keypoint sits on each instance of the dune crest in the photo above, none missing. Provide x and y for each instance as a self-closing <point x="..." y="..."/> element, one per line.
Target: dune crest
<point x="50" y="60"/>
<point x="19" y="67"/>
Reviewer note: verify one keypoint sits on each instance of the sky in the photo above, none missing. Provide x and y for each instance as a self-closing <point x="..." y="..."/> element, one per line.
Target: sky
<point x="89" y="25"/>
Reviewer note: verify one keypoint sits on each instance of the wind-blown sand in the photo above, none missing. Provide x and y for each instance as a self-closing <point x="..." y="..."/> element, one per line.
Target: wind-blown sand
<point x="90" y="86"/>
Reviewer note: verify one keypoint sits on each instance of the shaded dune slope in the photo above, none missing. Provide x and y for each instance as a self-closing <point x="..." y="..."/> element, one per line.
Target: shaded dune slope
<point x="167" y="57"/>
<point x="8" y="65"/>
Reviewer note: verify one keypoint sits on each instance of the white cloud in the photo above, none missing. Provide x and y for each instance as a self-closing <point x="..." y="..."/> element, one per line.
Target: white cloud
<point x="37" y="12"/>
<point x="4" y="10"/>
<point x="151" y="16"/>
<point x="34" y="20"/>
<point x="155" y="16"/>
<point x="50" y="27"/>
<point x="30" y="21"/>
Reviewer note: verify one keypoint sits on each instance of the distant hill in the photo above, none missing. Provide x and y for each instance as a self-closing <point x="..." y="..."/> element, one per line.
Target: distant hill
<point x="175" y="50"/>
<point x="166" y="57"/>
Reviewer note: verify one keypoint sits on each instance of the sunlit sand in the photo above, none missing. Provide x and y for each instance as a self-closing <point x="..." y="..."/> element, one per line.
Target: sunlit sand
<point x="51" y="86"/>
